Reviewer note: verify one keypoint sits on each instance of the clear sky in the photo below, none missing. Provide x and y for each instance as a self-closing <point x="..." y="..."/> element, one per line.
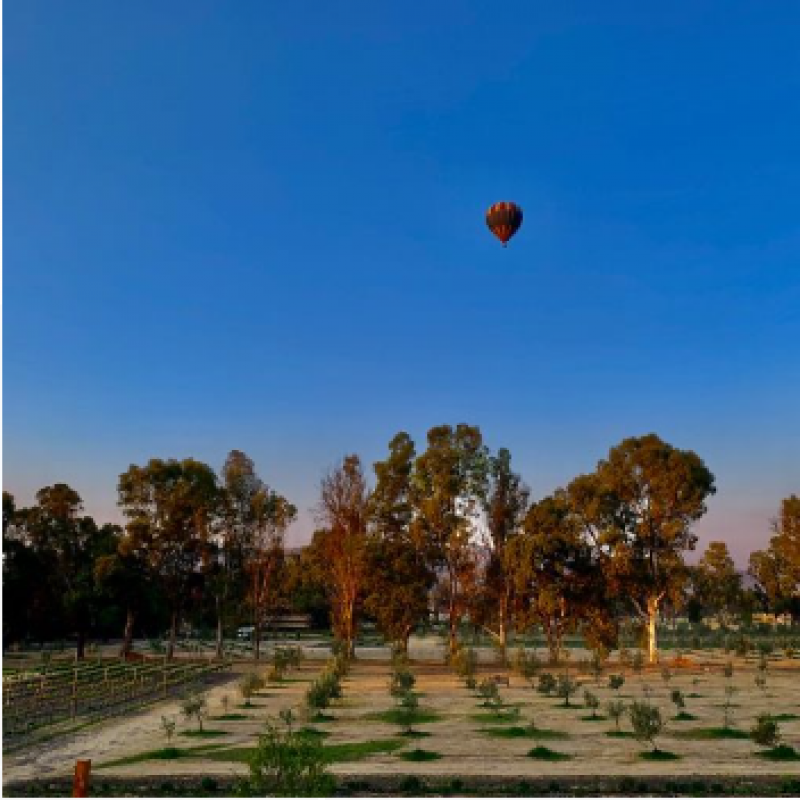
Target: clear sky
<point x="259" y="225"/>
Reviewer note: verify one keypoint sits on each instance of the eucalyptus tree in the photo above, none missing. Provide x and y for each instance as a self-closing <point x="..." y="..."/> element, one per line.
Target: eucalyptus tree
<point x="171" y="507"/>
<point x="344" y="510"/>
<point x="637" y="511"/>
<point x="399" y="579"/>
<point x="777" y="569"/>
<point x="448" y="491"/>
<point x="717" y="585"/>
<point x="505" y="506"/>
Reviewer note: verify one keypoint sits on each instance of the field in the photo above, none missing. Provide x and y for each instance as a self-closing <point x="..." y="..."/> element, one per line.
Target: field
<point x="529" y="736"/>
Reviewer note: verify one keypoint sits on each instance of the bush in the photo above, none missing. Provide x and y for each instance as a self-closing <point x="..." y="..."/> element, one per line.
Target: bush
<point x="547" y="683"/>
<point x="407" y="710"/>
<point x="678" y="700"/>
<point x="194" y="705"/>
<point x="249" y="684"/>
<point x="638" y="662"/>
<point x="590" y="701"/>
<point x="646" y="722"/>
<point x="616" y="682"/>
<point x="402" y="681"/>
<point x="766" y="731"/>
<point x="168" y="726"/>
<point x="287" y="763"/>
<point x="615" y="709"/>
<point x="566" y="687"/>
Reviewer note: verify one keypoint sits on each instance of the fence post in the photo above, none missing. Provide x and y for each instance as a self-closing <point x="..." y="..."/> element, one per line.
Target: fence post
<point x="80" y="784"/>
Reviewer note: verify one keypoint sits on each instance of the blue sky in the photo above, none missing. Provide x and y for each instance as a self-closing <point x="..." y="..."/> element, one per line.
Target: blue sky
<point x="259" y="225"/>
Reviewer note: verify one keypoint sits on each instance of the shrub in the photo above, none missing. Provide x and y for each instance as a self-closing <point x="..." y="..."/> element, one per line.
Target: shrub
<point x="464" y="662"/>
<point x="168" y="726"/>
<point x="249" y="684"/>
<point x="402" y="681"/>
<point x="666" y="675"/>
<point x="489" y="692"/>
<point x="616" y="682"/>
<point x="727" y="706"/>
<point x="407" y="710"/>
<point x="194" y="705"/>
<point x="287" y="764"/>
<point x="547" y="683"/>
<point x="590" y="700"/>
<point x="615" y="709"/>
<point x="766" y="731"/>
<point x="678" y="699"/>
<point x="646" y="722"/>
<point x="566" y="687"/>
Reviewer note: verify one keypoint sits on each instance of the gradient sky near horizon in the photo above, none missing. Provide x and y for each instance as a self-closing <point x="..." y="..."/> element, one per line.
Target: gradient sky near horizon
<point x="260" y="225"/>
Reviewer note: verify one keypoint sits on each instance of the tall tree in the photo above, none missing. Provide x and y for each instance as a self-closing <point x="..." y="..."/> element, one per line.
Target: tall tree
<point x="171" y="507"/>
<point x="399" y="580"/>
<point x="717" y="584"/>
<point x="343" y="510"/>
<point x="637" y="510"/>
<point x="777" y="569"/>
<point x="448" y="490"/>
<point x="505" y="508"/>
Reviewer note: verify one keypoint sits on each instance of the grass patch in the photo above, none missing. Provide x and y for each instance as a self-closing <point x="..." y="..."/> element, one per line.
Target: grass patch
<point x="162" y="754"/>
<point x="658" y="755"/>
<point x="783" y="752"/>
<point x="313" y="733"/>
<point x="394" y="716"/>
<point x="415" y="734"/>
<point x="543" y="753"/>
<point x="526" y="732"/>
<point x="596" y="718"/>
<point x="420" y="755"/>
<point x="786" y="717"/>
<point x="713" y="733"/>
<point x="694" y="695"/>
<point x="620" y="734"/>
<point x="204" y="734"/>
<point x="490" y="717"/>
<point x="230" y="717"/>
<point x="320" y="717"/>
<point x="350" y="751"/>
<point x="684" y="716"/>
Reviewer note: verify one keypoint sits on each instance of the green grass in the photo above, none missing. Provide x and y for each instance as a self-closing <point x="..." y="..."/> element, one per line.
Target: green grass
<point x="543" y="753"/>
<point x="502" y="717"/>
<point x="620" y="734"/>
<point x="783" y="752"/>
<point x="350" y="751"/>
<point x="596" y="718"/>
<point x="713" y="733"/>
<point x="163" y="754"/>
<point x="394" y="716"/>
<point x="314" y="733"/>
<point x="230" y="717"/>
<point x="527" y="732"/>
<point x="420" y="755"/>
<point x="206" y="734"/>
<point x="415" y="734"/>
<point x="684" y="716"/>
<point x="786" y="717"/>
<point x="658" y="755"/>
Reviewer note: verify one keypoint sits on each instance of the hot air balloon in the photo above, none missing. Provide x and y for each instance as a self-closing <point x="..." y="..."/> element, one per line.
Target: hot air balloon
<point x="504" y="220"/>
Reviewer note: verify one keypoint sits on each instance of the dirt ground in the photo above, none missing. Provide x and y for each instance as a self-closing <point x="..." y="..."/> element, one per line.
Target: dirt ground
<point x="465" y="747"/>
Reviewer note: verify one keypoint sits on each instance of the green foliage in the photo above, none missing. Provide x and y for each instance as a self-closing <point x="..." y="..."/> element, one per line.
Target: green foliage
<point x="615" y="709"/>
<point x="591" y="701"/>
<point x="542" y="753"/>
<point x="168" y="726"/>
<point x="407" y="710"/>
<point x="194" y="705"/>
<point x="287" y="763"/>
<point x="420" y="755"/>
<point x="616" y="682"/>
<point x="766" y="731"/>
<point x="401" y="682"/>
<point x="678" y="700"/>
<point x="646" y="722"/>
<point x="248" y="685"/>
<point x="566" y="687"/>
<point x="465" y="661"/>
<point x="547" y="683"/>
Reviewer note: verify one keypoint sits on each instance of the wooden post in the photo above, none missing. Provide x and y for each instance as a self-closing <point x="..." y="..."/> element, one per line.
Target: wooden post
<point x="80" y="784"/>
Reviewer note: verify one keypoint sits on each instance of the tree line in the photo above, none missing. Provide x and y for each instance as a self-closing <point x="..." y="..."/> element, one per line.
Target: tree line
<point x="449" y="533"/>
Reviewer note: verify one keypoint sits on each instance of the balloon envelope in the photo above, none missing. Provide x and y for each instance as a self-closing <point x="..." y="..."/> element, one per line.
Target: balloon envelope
<point x="504" y="220"/>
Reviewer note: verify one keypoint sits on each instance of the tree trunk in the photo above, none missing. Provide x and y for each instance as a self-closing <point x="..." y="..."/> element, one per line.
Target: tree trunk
<point x="452" y="612"/>
<point x="220" y="643"/>
<point x="652" y="619"/>
<point x="256" y="639"/>
<point x="80" y="651"/>
<point x="502" y="633"/>
<point x="127" y="635"/>
<point x="173" y="633"/>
